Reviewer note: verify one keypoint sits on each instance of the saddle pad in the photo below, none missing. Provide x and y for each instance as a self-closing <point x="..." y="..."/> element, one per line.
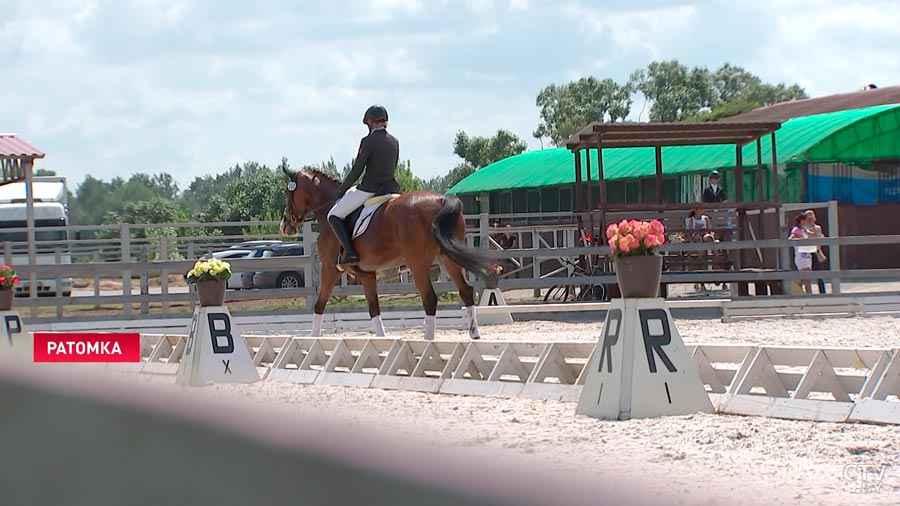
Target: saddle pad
<point x="380" y="198"/>
<point x="365" y="216"/>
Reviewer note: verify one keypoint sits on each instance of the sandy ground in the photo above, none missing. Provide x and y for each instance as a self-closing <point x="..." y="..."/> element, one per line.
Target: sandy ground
<point x="696" y="459"/>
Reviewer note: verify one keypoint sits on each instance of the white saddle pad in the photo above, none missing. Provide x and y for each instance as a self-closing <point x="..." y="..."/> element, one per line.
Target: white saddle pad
<point x="362" y="224"/>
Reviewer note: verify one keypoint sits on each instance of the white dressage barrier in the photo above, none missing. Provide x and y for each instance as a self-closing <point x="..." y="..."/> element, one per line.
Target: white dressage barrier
<point x="214" y="351"/>
<point x="594" y="306"/>
<point x="640" y="367"/>
<point x="737" y="377"/>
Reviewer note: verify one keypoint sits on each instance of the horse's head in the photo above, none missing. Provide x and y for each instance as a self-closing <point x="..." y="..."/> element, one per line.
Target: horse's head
<point x="306" y="191"/>
<point x="296" y="202"/>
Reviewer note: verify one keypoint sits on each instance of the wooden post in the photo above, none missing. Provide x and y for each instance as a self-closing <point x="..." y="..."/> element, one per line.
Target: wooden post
<point x="590" y="195"/>
<point x="96" y="279"/>
<point x="57" y="257"/>
<point x="601" y="179"/>
<point x="125" y="239"/>
<point x="776" y="194"/>
<point x="535" y="261"/>
<point x="310" y="278"/>
<point x="578" y="207"/>
<point x="739" y="198"/>
<point x="483" y="232"/>
<point x="760" y="193"/>
<point x="760" y="197"/>
<point x="28" y="167"/>
<point x="659" y="174"/>
<point x="145" y="281"/>
<point x="834" y="253"/>
<point x="163" y="256"/>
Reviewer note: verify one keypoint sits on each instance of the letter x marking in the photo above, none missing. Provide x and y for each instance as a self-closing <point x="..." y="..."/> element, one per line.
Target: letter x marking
<point x="227" y="366"/>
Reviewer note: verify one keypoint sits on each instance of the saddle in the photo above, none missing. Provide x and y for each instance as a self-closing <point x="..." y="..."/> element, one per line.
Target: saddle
<point x="358" y="221"/>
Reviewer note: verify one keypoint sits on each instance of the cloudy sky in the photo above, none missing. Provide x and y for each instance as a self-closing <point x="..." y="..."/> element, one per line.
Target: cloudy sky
<point x="192" y="87"/>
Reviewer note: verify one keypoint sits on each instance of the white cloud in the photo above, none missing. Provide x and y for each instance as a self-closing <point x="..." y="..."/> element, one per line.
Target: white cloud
<point x="191" y="87"/>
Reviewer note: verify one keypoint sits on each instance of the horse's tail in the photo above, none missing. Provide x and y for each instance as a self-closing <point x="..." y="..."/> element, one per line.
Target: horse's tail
<point x="444" y="228"/>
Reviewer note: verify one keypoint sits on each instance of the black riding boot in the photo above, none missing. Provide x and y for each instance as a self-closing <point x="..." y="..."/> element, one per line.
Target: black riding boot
<point x="349" y="256"/>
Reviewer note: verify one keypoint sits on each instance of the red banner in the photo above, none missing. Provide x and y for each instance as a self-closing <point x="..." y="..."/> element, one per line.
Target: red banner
<point x="87" y="347"/>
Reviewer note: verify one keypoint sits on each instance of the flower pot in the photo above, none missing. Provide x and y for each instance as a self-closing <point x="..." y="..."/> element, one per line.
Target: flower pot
<point x="638" y="275"/>
<point x="491" y="279"/>
<point x="6" y="299"/>
<point x="211" y="293"/>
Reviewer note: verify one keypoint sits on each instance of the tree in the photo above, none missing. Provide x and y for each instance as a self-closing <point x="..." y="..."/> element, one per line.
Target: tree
<point x="568" y="108"/>
<point x="674" y="90"/>
<point x="441" y="184"/>
<point x="44" y="172"/>
<point x="326" y="167"/>
<point x="481" y="151"/>
<point x="406" y="179"/>
<point x="738" y="90"/>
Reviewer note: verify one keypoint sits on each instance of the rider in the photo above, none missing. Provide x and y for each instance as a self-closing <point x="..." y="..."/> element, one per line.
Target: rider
<point x="378" y="154"/>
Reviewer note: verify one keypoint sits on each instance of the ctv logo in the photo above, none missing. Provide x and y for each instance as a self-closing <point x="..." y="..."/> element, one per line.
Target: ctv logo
<point x="87" y="347"/>
<point x="864" y="478"/>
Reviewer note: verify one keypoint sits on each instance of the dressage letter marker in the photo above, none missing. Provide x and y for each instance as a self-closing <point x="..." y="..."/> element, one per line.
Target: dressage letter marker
<point x="15" y="344"/>
<point x="640" y="368"/>
<point x="211" y="355"/>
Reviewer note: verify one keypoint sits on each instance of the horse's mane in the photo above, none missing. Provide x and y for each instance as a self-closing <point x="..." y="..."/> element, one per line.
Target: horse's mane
<point x="319" y="173"/>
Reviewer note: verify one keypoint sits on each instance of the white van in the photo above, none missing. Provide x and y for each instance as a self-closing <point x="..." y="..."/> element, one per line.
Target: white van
<point x="49" y="211"/>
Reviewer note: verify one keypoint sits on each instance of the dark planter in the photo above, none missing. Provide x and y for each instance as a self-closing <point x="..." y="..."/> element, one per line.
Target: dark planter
<point x="491" y="279"/>
<point x="211" y="293"/>
<point x="6" y="299"/>
<point x="638" y="275"/>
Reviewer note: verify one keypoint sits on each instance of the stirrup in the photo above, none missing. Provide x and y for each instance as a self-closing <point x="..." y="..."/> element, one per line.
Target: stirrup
<point x="345" y="259"/>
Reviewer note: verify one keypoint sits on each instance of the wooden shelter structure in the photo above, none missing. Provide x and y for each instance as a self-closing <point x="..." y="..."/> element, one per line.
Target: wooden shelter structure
<point x="17" y="164"/>
<point x="592" y="216"/>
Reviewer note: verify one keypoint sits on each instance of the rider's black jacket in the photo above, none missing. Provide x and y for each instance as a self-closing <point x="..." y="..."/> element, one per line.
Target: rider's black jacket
<point x="378" y="154"/>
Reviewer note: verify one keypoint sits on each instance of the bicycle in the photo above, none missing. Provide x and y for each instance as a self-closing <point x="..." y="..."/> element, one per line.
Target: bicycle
<point x="578" y="293"/>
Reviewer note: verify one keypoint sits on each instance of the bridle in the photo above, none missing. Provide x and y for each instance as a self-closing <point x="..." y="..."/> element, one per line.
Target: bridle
<point x="289" y="215"/>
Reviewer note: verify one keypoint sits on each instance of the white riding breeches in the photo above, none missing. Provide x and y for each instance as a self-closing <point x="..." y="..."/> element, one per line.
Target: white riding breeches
<point x="351" y="201"/>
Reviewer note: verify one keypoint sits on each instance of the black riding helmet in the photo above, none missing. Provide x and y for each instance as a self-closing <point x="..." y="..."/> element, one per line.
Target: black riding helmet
<point x="375" y="113"/>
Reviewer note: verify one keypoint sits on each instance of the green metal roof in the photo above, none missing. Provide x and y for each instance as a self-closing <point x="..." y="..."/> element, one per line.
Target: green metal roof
<point x="844" y="136"/>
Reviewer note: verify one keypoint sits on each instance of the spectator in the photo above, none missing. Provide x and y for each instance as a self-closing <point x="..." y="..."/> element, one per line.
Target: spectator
<point x="699" y="226"/>
<point x="714" y="192"/>
<point x="802" y="254"/>
<point x="819" y="258"/>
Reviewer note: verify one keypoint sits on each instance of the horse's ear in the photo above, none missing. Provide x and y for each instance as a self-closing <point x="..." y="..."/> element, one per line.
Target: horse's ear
<point x="287" y="172"/>
<point x="317" y="180"/>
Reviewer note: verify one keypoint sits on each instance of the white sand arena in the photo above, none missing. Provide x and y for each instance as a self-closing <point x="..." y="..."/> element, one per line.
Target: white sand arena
<point x="697" y="459"/>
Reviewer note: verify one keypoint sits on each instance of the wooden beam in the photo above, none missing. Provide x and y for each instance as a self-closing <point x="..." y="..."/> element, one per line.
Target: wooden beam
<point x="578" y="181"/>
<point x="659" y="174"/>
<point x="776" y="196"/>
<point x="759" y="171"/>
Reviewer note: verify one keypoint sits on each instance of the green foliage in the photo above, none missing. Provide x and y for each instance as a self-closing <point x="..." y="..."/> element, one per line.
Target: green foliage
<point x="568" y="108"/>
<point x="44" y="172"/>
<point x="481" y="151"/>
<point x="441" y="184"/>
<point x="674" y="90"/>
<point x="406" y="179"/>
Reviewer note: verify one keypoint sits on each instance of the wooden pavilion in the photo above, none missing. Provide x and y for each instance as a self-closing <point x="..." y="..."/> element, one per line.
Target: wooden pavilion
<point x="592" y="216"/>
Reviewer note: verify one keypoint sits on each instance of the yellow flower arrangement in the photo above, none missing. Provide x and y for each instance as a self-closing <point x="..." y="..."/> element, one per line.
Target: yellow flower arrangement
<point x="210" y="270"/>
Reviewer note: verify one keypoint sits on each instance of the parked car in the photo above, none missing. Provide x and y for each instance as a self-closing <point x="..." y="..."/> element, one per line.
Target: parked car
<point x="255" y="244"/>
<point x="280" y="278"/>
<point x="234" y="282"/>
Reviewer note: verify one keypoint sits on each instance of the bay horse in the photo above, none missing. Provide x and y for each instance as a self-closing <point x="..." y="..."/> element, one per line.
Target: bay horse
<point x="410" y="230"/>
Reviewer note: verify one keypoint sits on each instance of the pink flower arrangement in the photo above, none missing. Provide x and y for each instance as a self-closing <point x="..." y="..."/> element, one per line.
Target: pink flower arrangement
<point x="635" y="237"/>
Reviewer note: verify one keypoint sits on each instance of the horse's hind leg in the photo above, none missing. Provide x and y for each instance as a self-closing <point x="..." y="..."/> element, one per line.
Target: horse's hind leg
<point x="429" y="298"/>
<point x="466" y="293"/>
<point x="370" y="286"/>
<point x="330" y="275"/>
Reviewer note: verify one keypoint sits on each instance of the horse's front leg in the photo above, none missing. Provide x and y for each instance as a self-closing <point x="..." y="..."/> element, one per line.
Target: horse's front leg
<point x="370" y="286"/>
<point x="330" y="275"/>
